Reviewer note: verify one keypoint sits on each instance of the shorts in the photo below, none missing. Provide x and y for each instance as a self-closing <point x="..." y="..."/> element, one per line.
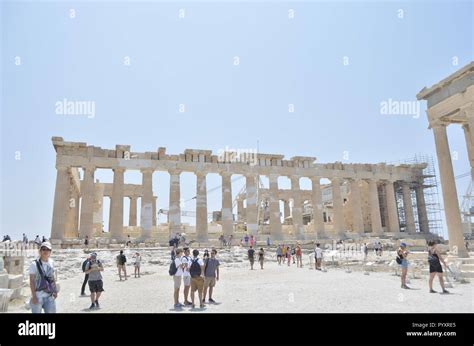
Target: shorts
<point x="177" y="281"/>
<point x="197" y="284"/>
<point x="120" y="266"/>
<point x="251" y="260"/>
<point x="436" y="268"/>
<point x="187" y="280"/>
<point x="209" y="281"/>
<point x="96" y="286"/>
<point x="137" y="265"/>
<point x="404" y="264"/>
<point x="278" y="256"/>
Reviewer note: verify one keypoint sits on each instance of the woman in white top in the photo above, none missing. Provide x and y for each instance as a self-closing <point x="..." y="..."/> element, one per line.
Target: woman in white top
<point x="136" y="264"/>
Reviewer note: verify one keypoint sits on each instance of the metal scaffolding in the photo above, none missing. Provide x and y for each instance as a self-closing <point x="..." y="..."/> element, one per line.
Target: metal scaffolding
<point x="430" y="188"/>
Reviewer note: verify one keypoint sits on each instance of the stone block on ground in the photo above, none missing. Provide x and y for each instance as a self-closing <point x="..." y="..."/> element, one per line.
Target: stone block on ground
<point x="15" y="281"/>
<point x="4" y="280"/>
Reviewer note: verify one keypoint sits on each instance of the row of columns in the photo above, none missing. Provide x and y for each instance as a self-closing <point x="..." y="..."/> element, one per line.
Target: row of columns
<point x="61" y="217"/>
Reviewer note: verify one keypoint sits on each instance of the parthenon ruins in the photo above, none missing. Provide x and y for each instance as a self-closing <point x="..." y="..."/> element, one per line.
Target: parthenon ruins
<point x="360" y="200"/>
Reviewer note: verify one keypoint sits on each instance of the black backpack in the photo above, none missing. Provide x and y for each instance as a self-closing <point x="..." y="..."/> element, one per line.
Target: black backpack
<point x="173" y="269"/>
<point x="195" y="269"/>
<point x="84" y="265"/>
<point x="398" y="259"/>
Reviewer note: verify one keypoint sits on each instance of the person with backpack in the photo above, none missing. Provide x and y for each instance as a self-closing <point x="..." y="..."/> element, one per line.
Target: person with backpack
<point x="211" y="275"/>
<point x="121" y="260"/>
<point x="43" y="282"/>
<point x="186" y="260"/>
<point x="96" y="285"/>
<point x="197" y="278"/>
<point x="176" y="270"/>
<point x="434" y="260"/>
<point x="86" y="276"/>
<point x="251" y="256"/>
<point x="403" y="262"/>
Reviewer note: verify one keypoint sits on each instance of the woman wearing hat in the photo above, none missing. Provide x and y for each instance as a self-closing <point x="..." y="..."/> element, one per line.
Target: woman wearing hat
<point x="402" y="254"/>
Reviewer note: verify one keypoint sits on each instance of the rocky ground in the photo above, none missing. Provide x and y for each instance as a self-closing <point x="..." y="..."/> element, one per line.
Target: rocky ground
<point x="347" y="285"/>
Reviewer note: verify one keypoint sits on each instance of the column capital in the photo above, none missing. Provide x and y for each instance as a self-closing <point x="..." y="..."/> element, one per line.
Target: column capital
<point x="200" y="174"/>
<point x="118" y="169"/>
<point x="316" y="179"/>
<point x="147" y="170"/>
<point x="273" y="177"/>
<point x="225" y="173"/>
<point x="174" y="171"/>
<point x="62" y="167"/>
<point x="89" y="168"/>
<point x="336" y="179"/>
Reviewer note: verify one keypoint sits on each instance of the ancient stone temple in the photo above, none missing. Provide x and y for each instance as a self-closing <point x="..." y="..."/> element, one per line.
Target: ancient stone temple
<point x="451" y="101"/>
<point x="360" y="200"/>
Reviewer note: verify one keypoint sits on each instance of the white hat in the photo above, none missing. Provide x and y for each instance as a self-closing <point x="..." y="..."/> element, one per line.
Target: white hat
<point x="47" y="245"/>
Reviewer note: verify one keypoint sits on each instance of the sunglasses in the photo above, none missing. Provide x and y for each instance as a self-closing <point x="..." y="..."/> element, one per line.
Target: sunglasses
<point x="45" y="249"/>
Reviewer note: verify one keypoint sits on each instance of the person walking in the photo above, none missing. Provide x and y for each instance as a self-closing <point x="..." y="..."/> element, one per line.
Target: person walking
<point x="318" y="257"/>
<point x="283" y="253"/>
<point x="121" y="261"/>
<point x="197" y="278"/>
<point x="186" y="261"/>
<point x="211" y="275"/>
<point x="96" y="286"/>
<point x="86" y="242"/>
<point x="403" y="254"/>
<point x="137" y="263"/>
<point x="288" y="255"/>
<point x="299" y="256"/>
<point x="261" y="257"/>
<point x="177" y="276"/>
<point x="86" y="276"/>
<point x="43" y="282"/>
<point x="434" y="260"/>
<point x="251" y="256"/>
<point x="279" y="253"/>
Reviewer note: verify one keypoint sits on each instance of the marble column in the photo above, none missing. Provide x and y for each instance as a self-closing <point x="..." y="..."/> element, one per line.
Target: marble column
<point x="147" y="204"/>
<point x="451" y="205"/>
<point x="421" y="208"/>
<point x="61" y="203"/>
<point x="275" y="221"/>
<point x="77" y="201"/>
<point x="201" y="207"/>
<point x="98" y="216"/>
<point x="393" y="221"/>
<point x="375" y="217"/>
<point x="71" y="226"/>
<point x="132" y="216"/>
<point x="251" y="210"/>
<point x="87" y="204"/>
<point x="153" y="219"/>
<point x="356" y="207"/>
<point x="297" y="214"/>
<point x="408" y="208"/>
<point x="338" y="213"/>
<point x="240" y="210"/>
<point x="116" y="205"/>
<point x="317" y="202"/>
<point x="226" y="211"/>
<point x="286" y="209"/>
<point x="468" y="134"/>
<point x="174" y="213"/>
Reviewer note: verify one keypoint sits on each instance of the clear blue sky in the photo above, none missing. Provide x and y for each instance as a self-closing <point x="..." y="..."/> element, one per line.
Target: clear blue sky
<point x="190" y="61"/>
